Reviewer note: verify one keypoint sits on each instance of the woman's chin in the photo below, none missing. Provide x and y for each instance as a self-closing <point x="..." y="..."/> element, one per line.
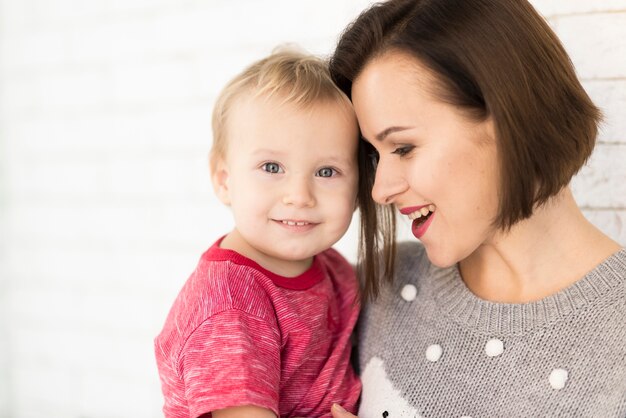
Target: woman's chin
<point x="440" y="258"/>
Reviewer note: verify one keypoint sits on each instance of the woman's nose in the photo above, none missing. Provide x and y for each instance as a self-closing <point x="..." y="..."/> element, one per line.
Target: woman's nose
<point x="388" y="183"/>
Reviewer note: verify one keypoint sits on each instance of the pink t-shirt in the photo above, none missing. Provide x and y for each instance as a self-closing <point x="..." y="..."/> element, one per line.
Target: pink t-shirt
<point x="238" y="334"/>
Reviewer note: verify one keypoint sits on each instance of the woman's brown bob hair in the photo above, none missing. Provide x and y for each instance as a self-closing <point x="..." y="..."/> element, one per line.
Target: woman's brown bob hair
<point x="494" y="58"/>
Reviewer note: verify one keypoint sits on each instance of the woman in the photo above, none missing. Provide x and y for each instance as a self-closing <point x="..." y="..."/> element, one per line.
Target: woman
<point x="513" y="304"/>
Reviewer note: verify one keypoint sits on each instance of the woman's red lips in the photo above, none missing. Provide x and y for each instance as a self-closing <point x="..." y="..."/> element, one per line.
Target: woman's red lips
<point x="410" y="209"/>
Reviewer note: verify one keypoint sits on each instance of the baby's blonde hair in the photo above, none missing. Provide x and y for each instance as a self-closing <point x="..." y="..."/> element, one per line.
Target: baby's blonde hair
<point x="293" y="76"/>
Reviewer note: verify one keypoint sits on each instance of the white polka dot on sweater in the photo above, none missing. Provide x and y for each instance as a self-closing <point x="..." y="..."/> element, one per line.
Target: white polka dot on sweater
<point x="409" y="293"/>
<point x="494" y="347"/>
<point x="558" y="378"/>
<point x="434" y="352"/>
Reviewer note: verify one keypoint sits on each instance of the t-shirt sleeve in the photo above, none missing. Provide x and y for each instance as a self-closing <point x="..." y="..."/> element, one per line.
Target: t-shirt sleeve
<point x="232" y="359"/>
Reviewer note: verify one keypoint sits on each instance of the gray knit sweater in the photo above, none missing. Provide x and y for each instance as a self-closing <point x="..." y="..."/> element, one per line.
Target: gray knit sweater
<point x="428" y="347"/>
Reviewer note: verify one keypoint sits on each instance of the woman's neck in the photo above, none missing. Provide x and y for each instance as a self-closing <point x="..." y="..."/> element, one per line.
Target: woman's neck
<point x="539" y="256"/>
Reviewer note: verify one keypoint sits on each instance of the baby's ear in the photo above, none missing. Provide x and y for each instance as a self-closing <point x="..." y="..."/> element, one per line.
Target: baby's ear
<point x="219" y="178"/>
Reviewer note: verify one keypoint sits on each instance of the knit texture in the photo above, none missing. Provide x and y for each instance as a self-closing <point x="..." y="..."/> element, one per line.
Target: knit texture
<point x="581" y="330"/>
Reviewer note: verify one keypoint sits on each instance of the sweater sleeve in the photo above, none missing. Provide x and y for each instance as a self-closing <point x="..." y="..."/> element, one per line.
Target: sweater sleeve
<point x="231" y="359"/>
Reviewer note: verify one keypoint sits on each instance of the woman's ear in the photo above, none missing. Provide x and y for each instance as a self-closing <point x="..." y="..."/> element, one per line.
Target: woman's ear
<point x="219" y="178"/>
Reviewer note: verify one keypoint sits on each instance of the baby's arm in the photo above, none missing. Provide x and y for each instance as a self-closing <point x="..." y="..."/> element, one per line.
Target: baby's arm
<point x="247" y="411"/>
<point x="338" y="412"/>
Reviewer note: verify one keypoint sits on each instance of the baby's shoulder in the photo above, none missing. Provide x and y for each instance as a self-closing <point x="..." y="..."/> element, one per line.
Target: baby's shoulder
<point x="220" y="285"/>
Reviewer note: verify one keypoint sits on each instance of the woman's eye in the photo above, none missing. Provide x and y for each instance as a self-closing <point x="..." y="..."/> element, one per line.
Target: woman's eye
<point x="272" y="168"/>
<point x="326" y="172"/>
<point x="404" y="150"/>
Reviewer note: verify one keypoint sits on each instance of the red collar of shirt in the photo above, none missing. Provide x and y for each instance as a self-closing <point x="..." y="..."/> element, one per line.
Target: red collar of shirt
<point x="306" y="280"/>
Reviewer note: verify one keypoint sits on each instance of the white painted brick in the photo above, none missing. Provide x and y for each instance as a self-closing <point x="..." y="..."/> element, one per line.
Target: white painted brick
<point x="162" y="271"/>
<point x="610" y="96"/>
<point x="601" y="182"/>
<point x="94" y="347"/>
<point x="15" y="15"/>
<point x="107" y="134"/>
<point x="162" y="175"/>
<point x="34" y="260"/>
<point x="46" y="305"/>
<point x="112" y="41"/>
<point x="59" y="13"/>
<point x="126" y="6"/>
<point x="596" y="44"/>
<point x="50" y="347"/>
<point x="18" y="95"/>
<point x="5" y="360"/>
<point x="32" y="50"/>
<point x="116" y="311"/>
<point x="76" y="89"/>
<point x="151" y="82"/>
<point x="42" y="389"/>
<point x="105" y="352"/>
<point x="611" y="222"/>
<point x="234" y="61"/>
<point x="184" y="128"/>
<point x="118" y="396"/>
<point x="55" y="222"/>
<point x="52" y="178"/>
<point x="92" y="44"/>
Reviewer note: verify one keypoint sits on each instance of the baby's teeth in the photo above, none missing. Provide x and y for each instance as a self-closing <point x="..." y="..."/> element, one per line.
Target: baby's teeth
<point x="293" y="223"/>
<point x="431" y="208"/>
<point x="424" y="211"/>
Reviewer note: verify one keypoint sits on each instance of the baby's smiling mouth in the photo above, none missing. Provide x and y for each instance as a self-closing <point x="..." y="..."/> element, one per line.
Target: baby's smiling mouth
<point x="296" y="223"/>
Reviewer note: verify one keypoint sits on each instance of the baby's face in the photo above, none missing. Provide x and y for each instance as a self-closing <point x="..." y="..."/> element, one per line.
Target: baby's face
<point x="290" y="176"/>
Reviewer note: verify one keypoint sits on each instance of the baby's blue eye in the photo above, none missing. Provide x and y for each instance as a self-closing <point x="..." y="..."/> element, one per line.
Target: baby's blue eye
<point x="272" y="168"/>
<point x="325" y="172"/>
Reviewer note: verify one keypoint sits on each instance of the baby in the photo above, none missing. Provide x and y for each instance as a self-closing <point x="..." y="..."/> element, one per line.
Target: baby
<point x="262" y="327"/>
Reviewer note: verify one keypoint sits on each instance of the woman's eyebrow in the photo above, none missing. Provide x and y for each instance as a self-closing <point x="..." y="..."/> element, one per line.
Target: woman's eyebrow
<point x="384" y="134"/>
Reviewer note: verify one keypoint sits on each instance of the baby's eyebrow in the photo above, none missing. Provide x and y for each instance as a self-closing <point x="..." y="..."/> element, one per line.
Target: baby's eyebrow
<point x="337" y="161"/>
<point x="266" y="151"/>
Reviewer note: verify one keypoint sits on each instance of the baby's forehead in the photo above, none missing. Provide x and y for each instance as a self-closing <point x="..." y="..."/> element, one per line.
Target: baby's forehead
<point x="277" y="110"/>
<point x="323" y="128"/>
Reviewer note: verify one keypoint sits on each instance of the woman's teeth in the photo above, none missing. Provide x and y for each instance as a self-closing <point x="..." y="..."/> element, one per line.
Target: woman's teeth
<point x="421" y="212"/>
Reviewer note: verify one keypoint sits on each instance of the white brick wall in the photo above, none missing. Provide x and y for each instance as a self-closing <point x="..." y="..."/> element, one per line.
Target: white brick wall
<point x="104" y="191"/>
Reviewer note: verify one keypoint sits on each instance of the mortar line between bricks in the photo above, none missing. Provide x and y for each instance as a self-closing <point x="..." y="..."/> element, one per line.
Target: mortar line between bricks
<point x="591" y="80"/>
<point x="611" y="143"/>
<point x="603" y="208"/>
<point x="586" y="13"/>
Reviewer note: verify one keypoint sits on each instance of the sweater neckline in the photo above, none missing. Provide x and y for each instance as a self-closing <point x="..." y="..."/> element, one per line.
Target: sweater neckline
<point x="309" y="278"/>
<point x="494" y="318"/>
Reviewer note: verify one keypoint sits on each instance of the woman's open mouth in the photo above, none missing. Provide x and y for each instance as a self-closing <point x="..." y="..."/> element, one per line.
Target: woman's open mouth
<point x="421" y="217"/>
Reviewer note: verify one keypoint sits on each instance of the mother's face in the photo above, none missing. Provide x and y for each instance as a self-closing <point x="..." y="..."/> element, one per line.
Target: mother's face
<point x="436" y="165"/>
